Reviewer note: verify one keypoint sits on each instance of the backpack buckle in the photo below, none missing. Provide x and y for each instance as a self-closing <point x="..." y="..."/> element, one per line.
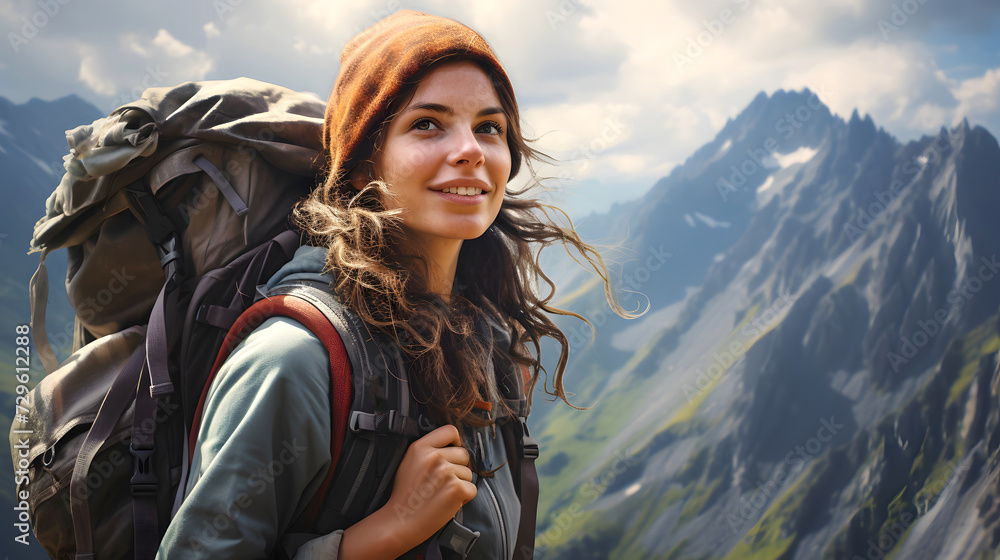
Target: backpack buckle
<point x="529" y="446"/>
<point x="143" y="481"/>
<point x="458" y="538"/>
<point x="404" y="425"/>
<point x="392" y="423"/>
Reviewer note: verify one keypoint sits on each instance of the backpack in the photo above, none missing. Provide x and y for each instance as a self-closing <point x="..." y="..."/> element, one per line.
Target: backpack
<point x="160" y="269"/>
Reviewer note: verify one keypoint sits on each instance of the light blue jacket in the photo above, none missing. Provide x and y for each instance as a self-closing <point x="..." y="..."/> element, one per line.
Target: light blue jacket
<point x="264" y="436"/>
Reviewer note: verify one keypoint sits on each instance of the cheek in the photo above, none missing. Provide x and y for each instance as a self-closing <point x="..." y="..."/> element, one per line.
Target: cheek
<point x="501" y="166"/>
<point x="420" y="161"/>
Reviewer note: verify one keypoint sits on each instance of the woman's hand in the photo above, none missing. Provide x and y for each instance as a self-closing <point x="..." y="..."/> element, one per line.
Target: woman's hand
<point x="432" y="482"/>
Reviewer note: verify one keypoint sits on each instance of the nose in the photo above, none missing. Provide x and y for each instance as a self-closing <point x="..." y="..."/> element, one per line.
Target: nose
<point x="466" y="150"/>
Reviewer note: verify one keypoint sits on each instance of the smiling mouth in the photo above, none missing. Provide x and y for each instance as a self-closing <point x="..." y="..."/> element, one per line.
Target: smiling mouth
<point x="468" y="191"/>
<point x="464" y="187"/>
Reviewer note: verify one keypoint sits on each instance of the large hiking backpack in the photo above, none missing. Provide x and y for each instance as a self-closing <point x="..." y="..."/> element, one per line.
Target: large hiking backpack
<point x="161" y="268"/>
<point x="172" y="210"/>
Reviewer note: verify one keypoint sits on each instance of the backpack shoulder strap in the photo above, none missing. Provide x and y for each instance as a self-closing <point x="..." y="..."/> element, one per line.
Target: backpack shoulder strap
<point x="313" y="318"/>
<point x="383" y="419"/>
<point x="526" y="484"/>
<point x="522" y="449"/>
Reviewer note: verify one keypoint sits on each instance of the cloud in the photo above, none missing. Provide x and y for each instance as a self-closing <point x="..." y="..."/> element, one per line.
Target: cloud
<point x="574" y="63"/>
<point x="978" y="96"/>
<point x="211" y="30"/>
<point x="171" y="45"/>
<point x="94" y="75"/>
<point x="142" y="62"/>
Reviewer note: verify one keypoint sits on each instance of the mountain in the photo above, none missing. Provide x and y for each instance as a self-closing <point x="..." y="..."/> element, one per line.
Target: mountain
<point x="32" y="146"/>
<point x="817" y="376"/>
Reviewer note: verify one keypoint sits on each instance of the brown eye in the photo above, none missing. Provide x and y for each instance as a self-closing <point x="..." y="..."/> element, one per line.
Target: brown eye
<point x="424" y="124"/>
<point x="490" y="127"/>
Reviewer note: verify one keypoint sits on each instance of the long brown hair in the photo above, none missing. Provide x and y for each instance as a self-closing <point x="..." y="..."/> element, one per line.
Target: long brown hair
<point x="496" y="277"/>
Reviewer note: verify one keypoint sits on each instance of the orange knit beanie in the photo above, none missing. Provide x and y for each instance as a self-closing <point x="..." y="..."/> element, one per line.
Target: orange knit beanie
<point x="378" y="62"/>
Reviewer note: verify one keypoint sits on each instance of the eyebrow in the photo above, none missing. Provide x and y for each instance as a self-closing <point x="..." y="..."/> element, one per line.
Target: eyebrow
<point x="439" y="108"/>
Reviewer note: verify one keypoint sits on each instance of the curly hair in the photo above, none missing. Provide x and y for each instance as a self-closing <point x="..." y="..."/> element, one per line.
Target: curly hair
<point x="497" y="275"/>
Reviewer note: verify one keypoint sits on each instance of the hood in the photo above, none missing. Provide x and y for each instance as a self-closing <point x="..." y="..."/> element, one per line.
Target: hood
<point x="306" y="264"/>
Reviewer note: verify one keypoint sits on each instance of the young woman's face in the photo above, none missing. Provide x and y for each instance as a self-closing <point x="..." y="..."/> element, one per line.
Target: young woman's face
<point x="450" y="136"/>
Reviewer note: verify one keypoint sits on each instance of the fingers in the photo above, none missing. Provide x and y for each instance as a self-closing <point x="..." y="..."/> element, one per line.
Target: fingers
<point x="443" y="437"/>
<point x="462" y="472"/>
<point x="456" y="455"/>
<point x="468" y="492"/>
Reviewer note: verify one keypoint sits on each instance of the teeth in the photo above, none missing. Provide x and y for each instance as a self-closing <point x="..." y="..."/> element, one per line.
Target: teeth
<point x="468" y="191"/>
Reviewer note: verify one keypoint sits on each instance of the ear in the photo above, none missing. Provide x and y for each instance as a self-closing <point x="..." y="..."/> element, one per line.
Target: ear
<point x="357" y="177"/>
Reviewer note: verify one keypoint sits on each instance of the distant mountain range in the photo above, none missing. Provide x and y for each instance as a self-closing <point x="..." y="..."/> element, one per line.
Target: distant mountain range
<point x="816" y="378"/>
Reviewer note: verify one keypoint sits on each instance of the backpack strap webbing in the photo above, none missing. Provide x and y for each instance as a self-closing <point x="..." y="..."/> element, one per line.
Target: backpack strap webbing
<point x="121" y="393"/>
<point x="340" y="371"/>
<point x="527" y="488"/>
<point x="522" y="449"/>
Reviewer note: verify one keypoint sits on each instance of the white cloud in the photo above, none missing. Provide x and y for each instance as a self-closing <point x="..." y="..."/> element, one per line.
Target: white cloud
<point x="978" y="96"/>
<point x="171" y="45"/>
<point x="139" y="62"/>
<point x="211" y="31"/>
<point x="889" y="81"/>
<point x="931" y="115"/>
<point x="133" y="44"/>
<point x="628" y="164"/>
<point x="96" y="78"/>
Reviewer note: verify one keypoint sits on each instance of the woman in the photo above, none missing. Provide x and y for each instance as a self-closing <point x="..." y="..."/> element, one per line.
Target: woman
<point x="415" y="232"/>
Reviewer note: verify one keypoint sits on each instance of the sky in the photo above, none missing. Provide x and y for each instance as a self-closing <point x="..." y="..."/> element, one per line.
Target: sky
<point x="618" y="92"/>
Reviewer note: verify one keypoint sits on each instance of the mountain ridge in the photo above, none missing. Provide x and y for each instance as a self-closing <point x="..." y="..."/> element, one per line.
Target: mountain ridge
<point x="869" y="238"/>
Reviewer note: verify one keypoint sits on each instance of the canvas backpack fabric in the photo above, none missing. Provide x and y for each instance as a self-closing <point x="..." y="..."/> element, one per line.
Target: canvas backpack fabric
<point x="172" y="210"/>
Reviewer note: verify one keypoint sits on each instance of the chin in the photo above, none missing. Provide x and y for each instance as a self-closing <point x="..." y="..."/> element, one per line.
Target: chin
<point x="465" y="231"/>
